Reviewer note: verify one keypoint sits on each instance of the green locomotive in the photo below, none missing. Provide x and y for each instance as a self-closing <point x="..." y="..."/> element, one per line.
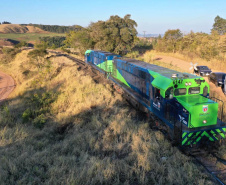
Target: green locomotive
<point x="180" y="100"/>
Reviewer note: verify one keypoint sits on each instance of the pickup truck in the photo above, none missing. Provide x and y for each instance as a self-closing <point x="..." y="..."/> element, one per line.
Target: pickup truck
<point x="202" y="70"/>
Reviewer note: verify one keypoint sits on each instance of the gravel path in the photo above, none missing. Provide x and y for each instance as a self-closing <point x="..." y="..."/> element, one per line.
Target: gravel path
<point x="7" y="85"/>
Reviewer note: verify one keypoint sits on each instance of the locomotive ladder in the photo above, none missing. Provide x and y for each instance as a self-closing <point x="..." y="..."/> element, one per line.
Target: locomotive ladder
<point x="222" y="108"/>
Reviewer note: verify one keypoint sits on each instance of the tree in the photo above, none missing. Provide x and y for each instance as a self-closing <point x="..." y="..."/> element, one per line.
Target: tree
<point x="6" y="22"/>
<point x="115" y="35"/>
<point x="80" y="40"/>
<point x="219" y="25"/>
<point x="171" y="38"/>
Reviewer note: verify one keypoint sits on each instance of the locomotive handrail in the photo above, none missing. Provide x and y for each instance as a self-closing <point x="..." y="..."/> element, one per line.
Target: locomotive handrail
<point x="173" y="109"/>
<point x="222" y="109"/>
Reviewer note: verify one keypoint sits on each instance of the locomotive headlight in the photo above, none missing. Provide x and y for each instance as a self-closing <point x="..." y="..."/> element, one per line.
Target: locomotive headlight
<point x="204" y="121"/>
<point x="189" y="83"/>
<point x="186" y="84"/>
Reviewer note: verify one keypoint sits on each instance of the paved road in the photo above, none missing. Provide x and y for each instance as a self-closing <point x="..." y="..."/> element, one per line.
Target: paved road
<point x="7" y="85"/>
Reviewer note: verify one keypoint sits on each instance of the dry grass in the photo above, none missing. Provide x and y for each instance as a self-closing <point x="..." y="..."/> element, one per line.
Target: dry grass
<point x="91" y="135"/>
<point x="150" y="57"/>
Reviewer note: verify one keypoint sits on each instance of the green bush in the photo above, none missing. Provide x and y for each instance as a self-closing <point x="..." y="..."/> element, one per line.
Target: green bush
<point x="39" y="108"/>
<point x="133" y="54"/>
<point x="27" y="114"/>
<point x="21" y="44"/>
<point x="39" y="121"/>
<point x="37" y="53"/>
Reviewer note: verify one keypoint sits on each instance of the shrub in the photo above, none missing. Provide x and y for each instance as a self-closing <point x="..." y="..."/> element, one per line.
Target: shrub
<point x="39" y="107"/>
<point x="37" y="53"/>
<point x="21" y="44"/>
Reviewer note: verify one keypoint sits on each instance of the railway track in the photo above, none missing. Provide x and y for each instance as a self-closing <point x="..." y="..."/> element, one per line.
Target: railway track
<point x="93" y="73"/>
<point x="214" y="165"/>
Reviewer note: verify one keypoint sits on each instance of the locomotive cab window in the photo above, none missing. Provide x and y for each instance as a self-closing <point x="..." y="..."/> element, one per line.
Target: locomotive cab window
<point x="157" y="94"/>
<point x="169" y="93"/>
<point x="194" y="90"/>
<point x="181" y="91"/>
<point x="205" y="91"/>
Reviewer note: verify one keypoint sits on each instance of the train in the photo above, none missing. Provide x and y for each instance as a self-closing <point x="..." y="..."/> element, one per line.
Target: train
<point x="224" y="86"/>
<point x="180" y="100"/>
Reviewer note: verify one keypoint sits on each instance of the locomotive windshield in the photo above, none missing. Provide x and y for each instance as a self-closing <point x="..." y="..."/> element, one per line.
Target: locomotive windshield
<point x="181" y="91"/>
<point x="194" y="90"/>
<point x="204" y="68"/>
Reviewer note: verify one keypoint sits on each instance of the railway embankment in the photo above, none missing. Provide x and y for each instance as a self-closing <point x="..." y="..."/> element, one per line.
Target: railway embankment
<point x="63" y="125"/>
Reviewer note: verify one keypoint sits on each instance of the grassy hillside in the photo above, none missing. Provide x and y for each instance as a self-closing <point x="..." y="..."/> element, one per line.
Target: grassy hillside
<point x="61" y="127"/>
<point x="16" y="28"/>
<point x="28" y="37"/>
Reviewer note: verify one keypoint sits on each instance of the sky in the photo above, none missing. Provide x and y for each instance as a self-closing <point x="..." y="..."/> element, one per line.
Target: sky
<point x="152" y="16"/>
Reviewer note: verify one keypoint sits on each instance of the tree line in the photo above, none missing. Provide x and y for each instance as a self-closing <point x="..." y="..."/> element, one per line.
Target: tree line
<point x="119" y="35"/>
<point x="53" y="42"/>
<point x="202" y="45"/>
<point x="56" y="28"/>
<point x="5" y="22"/>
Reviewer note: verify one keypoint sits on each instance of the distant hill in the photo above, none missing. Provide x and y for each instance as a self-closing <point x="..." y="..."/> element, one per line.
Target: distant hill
<point x="149" y="35"/>
<point x="56" y="28"/>
<point x="16" y="28"/>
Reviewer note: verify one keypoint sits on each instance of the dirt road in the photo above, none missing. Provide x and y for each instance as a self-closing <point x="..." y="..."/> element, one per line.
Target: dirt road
<point x="6" y="86"/>
<point x="174" y="61"/>
<point x="183" y="64"/>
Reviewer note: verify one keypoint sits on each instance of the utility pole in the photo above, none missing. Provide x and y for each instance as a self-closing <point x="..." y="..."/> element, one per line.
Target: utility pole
<point x="144" y="33"/>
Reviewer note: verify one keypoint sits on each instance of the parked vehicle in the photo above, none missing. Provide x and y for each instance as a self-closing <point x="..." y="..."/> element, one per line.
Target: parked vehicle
<point x="202" y="70"/>
<point x="180" y="100"/>
<point x="224" y="86"/>
<point x="217" y="78"/>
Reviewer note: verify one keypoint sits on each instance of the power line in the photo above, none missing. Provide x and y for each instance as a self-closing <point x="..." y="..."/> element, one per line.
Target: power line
<point x="144" y="33"/>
